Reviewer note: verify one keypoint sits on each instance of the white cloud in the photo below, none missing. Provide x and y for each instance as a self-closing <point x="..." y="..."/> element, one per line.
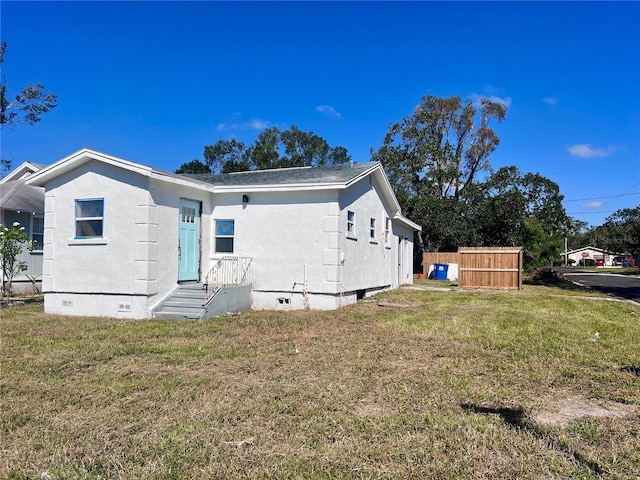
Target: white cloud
<point x="592" y="205"/>
<point x="258" y="124"/>
<point x="550" y="100"/>
<point x="586" y="150"/>
<point x="329" y="110"/>
<point x="253" y="124"/>
<point x="506" y="101"/>
<point x="475" y="98"/>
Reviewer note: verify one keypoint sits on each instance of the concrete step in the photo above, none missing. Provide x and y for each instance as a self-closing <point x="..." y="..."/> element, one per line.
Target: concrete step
<point x="188" y="311"/>
<point x="175" y="315"/>
<point x="191" y="286"/>
<point x="188" y="296"/>
<point x="186" y="302"/>
<point x="181" y="303"/>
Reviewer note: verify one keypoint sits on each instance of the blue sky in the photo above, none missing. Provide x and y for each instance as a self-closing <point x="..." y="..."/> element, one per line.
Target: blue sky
<point x="154" y="82"/>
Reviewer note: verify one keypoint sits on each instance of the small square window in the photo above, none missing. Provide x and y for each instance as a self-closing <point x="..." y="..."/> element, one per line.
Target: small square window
<point x="188" y="215"/>
<point x="89" y="218"/>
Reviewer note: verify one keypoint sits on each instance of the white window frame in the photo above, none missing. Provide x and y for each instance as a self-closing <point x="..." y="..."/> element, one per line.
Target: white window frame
<point x="351" y="224"/>
<point x="387" y="232"/>
<point x="372" y="230"/>
<point x="87" y="219"/>
<point x="224" y="236"/>
<point x="33" y="232"/>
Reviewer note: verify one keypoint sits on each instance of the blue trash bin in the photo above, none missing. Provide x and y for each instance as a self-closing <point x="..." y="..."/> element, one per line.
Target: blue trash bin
<point x="441" y="270"/>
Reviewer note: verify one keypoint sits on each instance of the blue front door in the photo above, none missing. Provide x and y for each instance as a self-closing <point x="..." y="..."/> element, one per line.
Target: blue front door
<point x="189" y="247"/>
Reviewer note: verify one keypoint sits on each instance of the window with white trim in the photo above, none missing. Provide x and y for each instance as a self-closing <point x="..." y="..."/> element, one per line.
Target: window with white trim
<point x="372" y="229"/>
<point x="351" y="223"/>
<point x="224" y="236"/>
<point x="89" y="215"/>
<point x="387" y="230"/>
<point x="37" y="231"/>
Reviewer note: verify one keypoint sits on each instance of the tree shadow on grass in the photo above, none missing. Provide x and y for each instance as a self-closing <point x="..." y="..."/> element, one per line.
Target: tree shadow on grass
<point x="515" y="417"/>
<point x="633" y="370"/>
<point x="518" y="418"/>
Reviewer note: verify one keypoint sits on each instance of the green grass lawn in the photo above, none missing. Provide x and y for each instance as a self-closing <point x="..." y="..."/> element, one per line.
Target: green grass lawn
<point x="443" y="385"/>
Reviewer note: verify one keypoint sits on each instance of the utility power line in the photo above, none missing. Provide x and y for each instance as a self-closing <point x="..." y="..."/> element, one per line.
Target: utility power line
<point x="598" y="198"/>
<point x="590" y="213"/>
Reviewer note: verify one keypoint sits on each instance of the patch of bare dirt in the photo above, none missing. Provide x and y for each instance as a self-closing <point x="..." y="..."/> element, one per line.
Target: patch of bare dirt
<point x="562" y="411"/>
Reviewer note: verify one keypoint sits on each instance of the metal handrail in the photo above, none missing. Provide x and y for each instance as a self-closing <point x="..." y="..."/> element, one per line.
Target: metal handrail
<point x="228" y="271"/>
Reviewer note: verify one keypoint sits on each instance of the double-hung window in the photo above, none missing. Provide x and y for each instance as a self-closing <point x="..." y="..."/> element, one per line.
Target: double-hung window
<point x="37" y="232"/>
<point x="89" y="218"/>
<point x="372" y="230"/>
<point x="351" y="224"/>
<point x="224" y="236"/>
<point x="387" y="231"/>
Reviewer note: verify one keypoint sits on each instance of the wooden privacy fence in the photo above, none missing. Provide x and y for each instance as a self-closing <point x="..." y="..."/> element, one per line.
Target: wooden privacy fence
<point x="429" y="258"/>
<point x="483" y="267"/>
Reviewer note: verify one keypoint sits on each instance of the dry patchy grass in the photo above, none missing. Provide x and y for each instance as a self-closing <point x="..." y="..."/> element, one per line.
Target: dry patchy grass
<point x="441" y="385"/>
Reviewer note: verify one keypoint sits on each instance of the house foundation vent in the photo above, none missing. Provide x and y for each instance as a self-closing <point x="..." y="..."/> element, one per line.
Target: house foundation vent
<point x="124" y="307"/>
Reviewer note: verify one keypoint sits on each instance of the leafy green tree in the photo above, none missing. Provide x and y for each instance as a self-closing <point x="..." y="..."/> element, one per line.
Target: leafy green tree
<point x="5" y="167"/>
<point x="226" y="156"/>
<point x="442" y="147"/>
<point x="194" y="166"/>
<point x="435" y="154"/>
<point x="622" y="231"/>
<point x="578" y="234"/>
<point x="13" y="240"/>
<point x="447" y="223"/>
<point x="540" y="249"/>
<point x="274" y="148"/>
<point x="28" y="105"/>
<point x="522" y="210"/>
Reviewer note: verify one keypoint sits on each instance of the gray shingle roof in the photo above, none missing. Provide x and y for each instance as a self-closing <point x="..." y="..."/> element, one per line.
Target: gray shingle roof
<point x="15" y="195"/>
<point x="287" y="176"/>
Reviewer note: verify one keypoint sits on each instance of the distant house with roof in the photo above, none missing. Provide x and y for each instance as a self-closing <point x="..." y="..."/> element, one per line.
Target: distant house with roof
<point x="127" y="240"/>
<point x="589" y="253"/>
<point x="24" y="204"/>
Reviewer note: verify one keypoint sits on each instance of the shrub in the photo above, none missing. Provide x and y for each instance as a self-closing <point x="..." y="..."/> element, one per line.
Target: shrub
<point x="546" y="275"/>
<point x="12" y="241"/>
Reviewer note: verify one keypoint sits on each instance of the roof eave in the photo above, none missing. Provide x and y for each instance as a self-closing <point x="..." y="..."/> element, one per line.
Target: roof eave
<point x="280" y="187"/>
<point x="407" y="222"/>
<point x="20" y="170"/>
<point x="79" y="158"/>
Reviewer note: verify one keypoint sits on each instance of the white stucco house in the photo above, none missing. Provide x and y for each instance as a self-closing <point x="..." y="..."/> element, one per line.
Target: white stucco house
<point x="590" y="253"/>
<point x="122" y="239"/>
<point x="24" y="204"/>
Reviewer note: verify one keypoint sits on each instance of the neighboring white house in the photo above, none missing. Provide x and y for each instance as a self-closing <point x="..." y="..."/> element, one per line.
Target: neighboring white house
<point x="589" y="253"/>
<point x="120" y="236"/>
<point x="25" y="204"/>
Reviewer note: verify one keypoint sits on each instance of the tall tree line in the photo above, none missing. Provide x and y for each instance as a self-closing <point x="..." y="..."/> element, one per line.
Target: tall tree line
<point x="273" y="148"/>
<point x="438" y="160"/>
